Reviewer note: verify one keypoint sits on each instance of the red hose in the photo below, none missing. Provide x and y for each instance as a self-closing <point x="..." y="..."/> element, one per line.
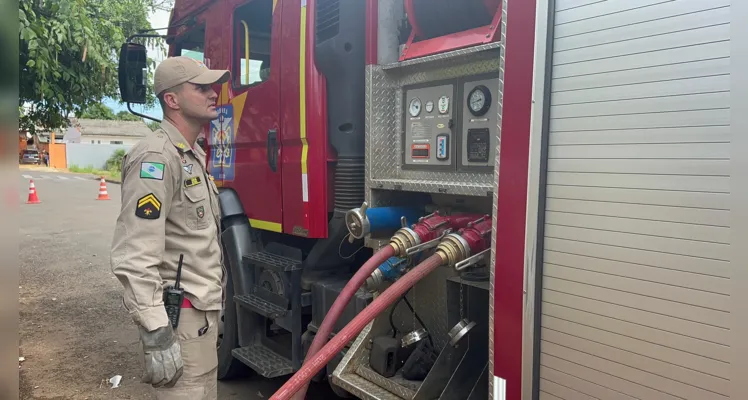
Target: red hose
<point x="313" y="365"/>
<point x="350" y="289"/>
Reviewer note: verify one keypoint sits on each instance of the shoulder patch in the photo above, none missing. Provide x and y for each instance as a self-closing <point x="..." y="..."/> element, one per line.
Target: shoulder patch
<point x="195" y="180"/>
<point x="149" y="207"/>
<point x="152" y="170"/>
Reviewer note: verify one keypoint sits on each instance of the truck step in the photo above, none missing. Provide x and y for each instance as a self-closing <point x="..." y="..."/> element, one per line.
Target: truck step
<point x="263" y="360"/>
<point x="272" y="261"/>
<point x="259" y="305"/>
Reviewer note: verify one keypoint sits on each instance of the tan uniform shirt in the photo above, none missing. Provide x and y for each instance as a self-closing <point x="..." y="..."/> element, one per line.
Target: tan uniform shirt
<point x="169" y="207"/>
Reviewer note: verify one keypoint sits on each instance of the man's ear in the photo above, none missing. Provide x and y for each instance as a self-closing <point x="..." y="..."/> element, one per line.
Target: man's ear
<point x="171" y="100"/>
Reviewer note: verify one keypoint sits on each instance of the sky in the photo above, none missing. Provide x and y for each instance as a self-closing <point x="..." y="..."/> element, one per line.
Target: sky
<point x="158" y="19"/>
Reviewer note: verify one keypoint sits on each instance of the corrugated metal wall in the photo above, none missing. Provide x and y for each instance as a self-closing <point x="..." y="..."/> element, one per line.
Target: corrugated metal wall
<point x="635" y="286"/>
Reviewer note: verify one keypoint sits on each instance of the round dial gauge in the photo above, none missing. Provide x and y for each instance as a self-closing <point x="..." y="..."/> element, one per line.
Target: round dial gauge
<point x="429" y="106"/>
<point x="479" y="100"/>
<point x="443" y="104"/>
<point x="415" y="107"/>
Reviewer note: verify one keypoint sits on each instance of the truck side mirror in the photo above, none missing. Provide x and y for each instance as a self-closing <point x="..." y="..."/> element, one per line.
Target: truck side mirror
<point x="133" y="73"/>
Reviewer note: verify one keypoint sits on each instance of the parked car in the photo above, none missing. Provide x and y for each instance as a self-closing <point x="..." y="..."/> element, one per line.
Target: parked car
<point x="31" y="156"/>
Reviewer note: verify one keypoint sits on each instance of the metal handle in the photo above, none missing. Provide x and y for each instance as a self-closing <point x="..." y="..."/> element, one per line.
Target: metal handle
<point x="428" y="245"/>
<point x="272" y="149"/>
<point x="472" y="260"/>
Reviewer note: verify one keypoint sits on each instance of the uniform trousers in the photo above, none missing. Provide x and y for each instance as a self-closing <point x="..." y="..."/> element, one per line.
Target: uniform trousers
<point x="199" y="377"/>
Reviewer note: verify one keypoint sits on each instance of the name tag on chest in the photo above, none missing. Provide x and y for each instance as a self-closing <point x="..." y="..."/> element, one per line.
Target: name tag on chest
<point x="195" y="180"/>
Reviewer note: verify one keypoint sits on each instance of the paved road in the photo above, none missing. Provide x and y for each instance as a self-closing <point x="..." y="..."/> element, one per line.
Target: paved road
<point x="74" y="332"/>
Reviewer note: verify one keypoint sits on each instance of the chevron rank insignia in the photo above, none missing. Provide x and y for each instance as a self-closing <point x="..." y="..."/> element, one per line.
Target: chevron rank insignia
<point x="149" y="207"/>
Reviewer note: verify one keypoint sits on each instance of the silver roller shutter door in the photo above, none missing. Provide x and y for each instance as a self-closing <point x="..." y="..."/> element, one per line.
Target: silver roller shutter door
<point x="635" y="287"/>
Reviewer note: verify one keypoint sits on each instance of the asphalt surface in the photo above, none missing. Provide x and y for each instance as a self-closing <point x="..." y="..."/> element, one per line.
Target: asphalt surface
<point x="74" y="333"/>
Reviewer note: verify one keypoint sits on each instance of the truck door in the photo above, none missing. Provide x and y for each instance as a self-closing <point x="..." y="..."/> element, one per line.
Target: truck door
<point x="249" y="148"/>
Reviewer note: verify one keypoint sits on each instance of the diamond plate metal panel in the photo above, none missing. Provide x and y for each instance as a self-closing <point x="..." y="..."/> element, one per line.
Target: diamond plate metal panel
<point x="429" y="298"/>
<point x="345" y="374"/>
<point x="263" y="360"/>
<point x="383" y="137"/>
<point x="396" y="384"/>
<point x="495" y="210"/>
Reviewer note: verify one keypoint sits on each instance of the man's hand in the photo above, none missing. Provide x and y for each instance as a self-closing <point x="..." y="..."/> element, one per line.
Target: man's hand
<point x="163" y="357"/>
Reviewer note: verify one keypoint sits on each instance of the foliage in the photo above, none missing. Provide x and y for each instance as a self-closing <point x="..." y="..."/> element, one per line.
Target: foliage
<point x="97" y="111"/>
<point x="126" y="116"/>
<point x="69" y="51"/>
<point x="101" y="111"/>
<point x="114" y="163"/>
<point x="153" y="125"/>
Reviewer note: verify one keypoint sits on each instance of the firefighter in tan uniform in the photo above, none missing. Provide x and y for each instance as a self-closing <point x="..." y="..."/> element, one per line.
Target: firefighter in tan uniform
<point x="170" y="208"/>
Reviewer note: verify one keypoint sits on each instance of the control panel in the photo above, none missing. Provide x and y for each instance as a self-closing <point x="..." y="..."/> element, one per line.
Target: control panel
<point x="429" y="123"/>
<point x="478" y="124"/>
<point x="452" y="125"/>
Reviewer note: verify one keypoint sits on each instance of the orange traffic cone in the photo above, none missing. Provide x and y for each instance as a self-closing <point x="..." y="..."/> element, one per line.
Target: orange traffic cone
<point x="103" y="195"/>
<point x="33" y="198"/>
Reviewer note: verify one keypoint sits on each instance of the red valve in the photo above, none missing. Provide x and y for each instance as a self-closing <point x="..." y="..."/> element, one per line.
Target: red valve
<point x="478" y="234"/>
<point x="427" y="229"/>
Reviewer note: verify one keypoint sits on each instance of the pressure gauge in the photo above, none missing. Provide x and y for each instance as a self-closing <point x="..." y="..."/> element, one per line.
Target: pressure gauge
<point x="429" y="106"/>
<point x="443" y="104"/>
<point x="415" y="107"/>
<point x="479" y="100"/>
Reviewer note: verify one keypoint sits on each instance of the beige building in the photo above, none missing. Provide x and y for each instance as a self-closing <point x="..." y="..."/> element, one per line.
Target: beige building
<point x="98" y="131"/>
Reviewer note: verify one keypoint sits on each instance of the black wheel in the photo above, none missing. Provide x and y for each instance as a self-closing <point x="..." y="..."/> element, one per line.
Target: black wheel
<point x="228" y="336"/>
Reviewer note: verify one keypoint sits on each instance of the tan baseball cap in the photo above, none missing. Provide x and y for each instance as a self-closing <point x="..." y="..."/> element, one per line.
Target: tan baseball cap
<point x="177" y="70"/>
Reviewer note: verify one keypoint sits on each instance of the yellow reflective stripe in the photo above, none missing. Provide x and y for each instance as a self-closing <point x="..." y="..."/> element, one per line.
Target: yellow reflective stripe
<point x="302" y="90"/>
<point x="246" y="50"/>
<point x="266" y="225"/>
<point x="274" y="3"/>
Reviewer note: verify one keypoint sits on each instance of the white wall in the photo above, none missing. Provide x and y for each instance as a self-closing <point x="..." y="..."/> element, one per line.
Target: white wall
<point x="96" y="155"/>
<point x="101" y="139"/>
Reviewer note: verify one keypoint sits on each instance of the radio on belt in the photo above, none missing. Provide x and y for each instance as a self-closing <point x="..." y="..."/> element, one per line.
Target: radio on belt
<point x="173" y="297"/>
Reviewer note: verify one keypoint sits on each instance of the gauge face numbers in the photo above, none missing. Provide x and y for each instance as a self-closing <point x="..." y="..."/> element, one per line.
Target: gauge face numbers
<point x="443" y="104"/>
<point x="429" y="106"/>
<point x="479" y="100"/>
<point x="415" y="107"/>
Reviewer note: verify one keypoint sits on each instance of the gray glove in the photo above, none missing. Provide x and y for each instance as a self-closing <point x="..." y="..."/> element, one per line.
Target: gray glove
<point x="163" y="357"/>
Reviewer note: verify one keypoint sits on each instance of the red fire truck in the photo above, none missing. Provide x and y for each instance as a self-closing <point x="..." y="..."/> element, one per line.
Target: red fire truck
<point x="357" y="152"/>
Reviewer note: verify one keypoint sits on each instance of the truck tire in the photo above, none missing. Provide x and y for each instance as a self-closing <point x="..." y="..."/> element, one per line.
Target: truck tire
<point x="228" y="337"/>
<point x="234" y="235"/>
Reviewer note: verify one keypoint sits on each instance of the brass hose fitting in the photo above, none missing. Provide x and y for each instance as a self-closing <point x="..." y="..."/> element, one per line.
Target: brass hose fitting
<point x="402" y="240"/>
<point x="453" y="249"/>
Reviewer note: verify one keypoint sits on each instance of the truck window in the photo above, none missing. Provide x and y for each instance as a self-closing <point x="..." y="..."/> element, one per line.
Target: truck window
<point x="192" y="44"/>
<point x="253" y="23"/>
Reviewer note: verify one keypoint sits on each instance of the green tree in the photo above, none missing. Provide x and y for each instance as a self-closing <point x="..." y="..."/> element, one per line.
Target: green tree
<point x="98" y="111"/>
<point x="153" y="125"/>
<point x="69" y="52"/>
<point x="127" y="116"/>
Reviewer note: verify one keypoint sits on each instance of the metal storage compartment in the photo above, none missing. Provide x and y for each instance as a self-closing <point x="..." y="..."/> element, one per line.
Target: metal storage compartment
<point x="631" y="272"/>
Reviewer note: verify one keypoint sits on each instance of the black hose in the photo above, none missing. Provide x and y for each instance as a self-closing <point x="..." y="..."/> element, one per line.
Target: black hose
<point x="407" y="303"/>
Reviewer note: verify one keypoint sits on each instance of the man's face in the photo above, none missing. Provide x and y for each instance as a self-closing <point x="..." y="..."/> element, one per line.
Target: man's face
<point x="197" y="102"/>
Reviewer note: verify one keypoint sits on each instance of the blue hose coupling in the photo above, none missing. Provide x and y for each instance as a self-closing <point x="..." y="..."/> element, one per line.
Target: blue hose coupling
<point x="388" y="271"/>
<point x="364" y="220"/>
